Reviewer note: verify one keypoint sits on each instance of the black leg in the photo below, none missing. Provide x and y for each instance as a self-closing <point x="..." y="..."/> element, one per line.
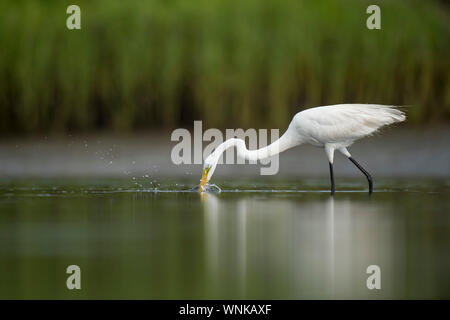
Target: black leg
<point x="332" y="178"/>
<point x="368" y="176"/>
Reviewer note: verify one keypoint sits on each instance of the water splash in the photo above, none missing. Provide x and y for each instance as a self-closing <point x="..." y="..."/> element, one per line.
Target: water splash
<point x="208" y="188"/>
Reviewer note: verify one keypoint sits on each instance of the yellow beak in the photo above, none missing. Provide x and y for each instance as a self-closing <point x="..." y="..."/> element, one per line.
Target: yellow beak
<point x="204" y="179"/>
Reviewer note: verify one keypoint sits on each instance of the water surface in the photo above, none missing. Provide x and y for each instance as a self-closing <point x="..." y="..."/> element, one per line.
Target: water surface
<point x="144" y="239"/>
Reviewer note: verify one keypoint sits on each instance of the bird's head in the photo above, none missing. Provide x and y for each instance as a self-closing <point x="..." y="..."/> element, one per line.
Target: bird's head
<point x="208" y="170"/>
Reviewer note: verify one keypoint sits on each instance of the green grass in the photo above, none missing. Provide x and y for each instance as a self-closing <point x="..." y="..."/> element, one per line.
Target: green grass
<point x="154" y="64"/>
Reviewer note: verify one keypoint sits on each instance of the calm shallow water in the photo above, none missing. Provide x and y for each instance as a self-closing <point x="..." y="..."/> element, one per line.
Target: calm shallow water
<point x="274" y="239"/>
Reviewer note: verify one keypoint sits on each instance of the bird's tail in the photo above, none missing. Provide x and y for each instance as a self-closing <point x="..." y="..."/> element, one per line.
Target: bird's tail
<point x="396" y="113"/>
<point x="388" y="114"/>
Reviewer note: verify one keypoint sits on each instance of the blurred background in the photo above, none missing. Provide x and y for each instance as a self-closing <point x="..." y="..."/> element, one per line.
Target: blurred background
<point x="86" y="175"/>
<point x="142" y="65"/>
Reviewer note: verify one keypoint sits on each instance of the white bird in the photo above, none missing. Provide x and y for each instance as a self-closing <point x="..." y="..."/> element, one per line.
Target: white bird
<point x="333" y="127"/>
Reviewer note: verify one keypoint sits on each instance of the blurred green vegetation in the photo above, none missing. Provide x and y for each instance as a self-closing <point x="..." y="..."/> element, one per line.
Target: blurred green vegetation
<point x="154" y="64"/>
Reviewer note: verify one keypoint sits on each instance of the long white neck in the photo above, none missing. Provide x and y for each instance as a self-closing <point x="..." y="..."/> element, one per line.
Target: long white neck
<point x="283" y="143"/>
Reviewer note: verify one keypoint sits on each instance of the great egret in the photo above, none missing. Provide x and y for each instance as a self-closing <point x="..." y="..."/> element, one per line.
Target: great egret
<point x="333" y="127"/>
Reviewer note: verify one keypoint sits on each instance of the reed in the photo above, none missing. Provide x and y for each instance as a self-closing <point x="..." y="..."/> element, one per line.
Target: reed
<point x="254" y="63"/>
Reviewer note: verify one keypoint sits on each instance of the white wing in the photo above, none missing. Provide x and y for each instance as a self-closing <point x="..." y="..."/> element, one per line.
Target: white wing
<point x="344" y="122"/>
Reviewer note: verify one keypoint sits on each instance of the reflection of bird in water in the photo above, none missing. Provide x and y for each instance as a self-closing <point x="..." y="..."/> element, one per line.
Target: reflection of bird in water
<point x="225" y="241"/>
<point x="333" y="128"/>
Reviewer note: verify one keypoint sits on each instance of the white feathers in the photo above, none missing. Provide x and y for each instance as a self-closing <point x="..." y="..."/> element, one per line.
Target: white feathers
<point x="332" y="127"/>
<point x="343" y="123"/>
